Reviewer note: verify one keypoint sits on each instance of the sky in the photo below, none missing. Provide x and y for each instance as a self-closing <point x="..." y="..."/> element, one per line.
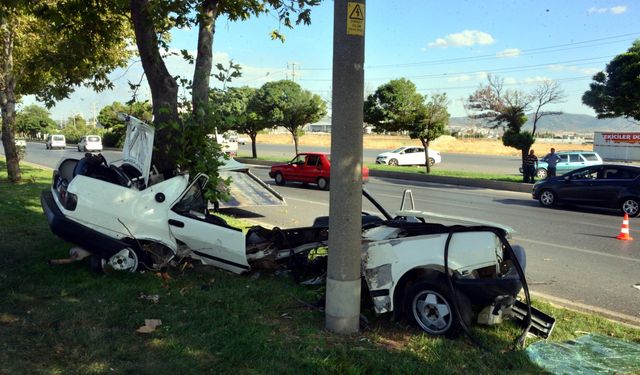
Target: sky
<point x="440" y="46"/>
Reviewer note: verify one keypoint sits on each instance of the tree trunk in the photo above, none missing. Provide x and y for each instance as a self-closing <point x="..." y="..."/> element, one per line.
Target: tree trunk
<point x="202" y="72"/>
<point x="425" y="144"/>
<point x="164" y="89"/>
<point x="253" y="137"/>
<point x="294" y="134"/>
<point x="8" y="100"/>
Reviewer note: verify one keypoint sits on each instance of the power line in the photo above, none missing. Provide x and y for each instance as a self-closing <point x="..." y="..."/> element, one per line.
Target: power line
<point x="512" y="69"/>
<point x="531" y="51"/>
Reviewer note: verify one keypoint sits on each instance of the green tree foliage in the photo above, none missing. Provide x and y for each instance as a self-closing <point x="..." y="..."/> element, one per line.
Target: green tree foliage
<point x="616" y="92"/>
<point x="33" y="120"/>
<point x="235" y="107"/>
<point x="284" y="103"/>
<point x="398" y="107"/>
<point x="152" y="22"/>
<point x="115" y="127"/>
<point x="47" y="48"/>
<point x="394" y="106"/>
<point x="431" y="123"/>
<point x="507" y="109"/>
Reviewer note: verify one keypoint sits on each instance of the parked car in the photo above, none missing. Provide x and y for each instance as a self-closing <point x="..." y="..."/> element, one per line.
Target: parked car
<point x="124" y="219"/>
<point x="21" y="142"/>
<point x="55" y="141"/>
<point x="607" y="185"/>
<point x="90" y="143"/>
<point x="308" y="167"/>
<point x="235" y="137"/>
<point x="569" y="160"/>
<point x="408" y="155"/>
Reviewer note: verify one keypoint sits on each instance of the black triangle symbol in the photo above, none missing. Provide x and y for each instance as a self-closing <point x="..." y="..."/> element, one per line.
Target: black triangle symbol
<point x="356" y="13"/>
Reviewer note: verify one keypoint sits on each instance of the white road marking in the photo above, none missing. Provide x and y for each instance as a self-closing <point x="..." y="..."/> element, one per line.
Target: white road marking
<point x="592" y="252"/>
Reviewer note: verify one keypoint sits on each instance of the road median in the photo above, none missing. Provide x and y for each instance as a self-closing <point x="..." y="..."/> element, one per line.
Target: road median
<point x="470" y="182"/>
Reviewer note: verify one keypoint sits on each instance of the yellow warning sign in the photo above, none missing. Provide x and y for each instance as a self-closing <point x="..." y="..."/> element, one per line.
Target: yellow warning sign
<point x="355" y="19"/>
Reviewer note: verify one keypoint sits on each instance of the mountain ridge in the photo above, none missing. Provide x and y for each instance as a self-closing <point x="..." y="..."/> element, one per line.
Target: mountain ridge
<point x="566" y="122"/>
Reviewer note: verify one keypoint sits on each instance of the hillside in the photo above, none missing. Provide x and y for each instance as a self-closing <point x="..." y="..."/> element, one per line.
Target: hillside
<point x="568" y="122"/>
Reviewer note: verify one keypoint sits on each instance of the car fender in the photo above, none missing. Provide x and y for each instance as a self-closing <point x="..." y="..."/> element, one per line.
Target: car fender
<point x="386" y="262"/>
<point x="122" y="212"/>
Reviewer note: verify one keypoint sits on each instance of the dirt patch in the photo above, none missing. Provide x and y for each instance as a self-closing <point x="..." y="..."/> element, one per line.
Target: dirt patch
<point x="447" y="144"/>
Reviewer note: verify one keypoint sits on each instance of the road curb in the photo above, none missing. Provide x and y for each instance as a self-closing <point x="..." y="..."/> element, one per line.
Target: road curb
<point x="471" y="182"/>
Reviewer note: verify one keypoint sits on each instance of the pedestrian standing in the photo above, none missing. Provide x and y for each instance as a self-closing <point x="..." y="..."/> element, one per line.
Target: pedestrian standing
<point x="552" y="160"/>
<point x="530" y="167"/>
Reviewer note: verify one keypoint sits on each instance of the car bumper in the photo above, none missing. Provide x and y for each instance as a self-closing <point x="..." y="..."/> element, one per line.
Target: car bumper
<point x="486" y="291"/>
<point x="93" y="241"/>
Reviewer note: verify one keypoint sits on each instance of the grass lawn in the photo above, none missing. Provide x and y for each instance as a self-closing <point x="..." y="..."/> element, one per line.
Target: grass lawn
<point x="69" y="320"/>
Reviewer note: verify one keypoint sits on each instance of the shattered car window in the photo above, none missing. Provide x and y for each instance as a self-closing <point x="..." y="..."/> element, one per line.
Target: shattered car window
<point x="193" y="199"/>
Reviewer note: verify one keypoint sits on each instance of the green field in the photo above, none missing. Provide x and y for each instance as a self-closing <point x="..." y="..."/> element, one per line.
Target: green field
<point x="68" y="320"/>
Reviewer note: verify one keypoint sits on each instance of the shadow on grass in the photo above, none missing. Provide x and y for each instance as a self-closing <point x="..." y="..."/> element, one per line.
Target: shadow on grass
<point x="67" y="319"/>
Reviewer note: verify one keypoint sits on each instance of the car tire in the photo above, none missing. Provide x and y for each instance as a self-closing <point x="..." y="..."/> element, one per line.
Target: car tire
<point x="429" y="305"/>
<point x="541" y="173"/>
<point x="323" y="183"/>
<point x="548" y="198"/>
<point x="393" y="161"/>
<point x="97" y="264"/>
<point x="279" y="179"/>
<point x="630" y="206"/>
<point x="432" y="161"/>
<point x="79" y="149"/>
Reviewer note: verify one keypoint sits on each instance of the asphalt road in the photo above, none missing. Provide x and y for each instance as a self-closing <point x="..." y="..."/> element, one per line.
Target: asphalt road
<point x="573" y="257"/>
<point x="450" y="161"/>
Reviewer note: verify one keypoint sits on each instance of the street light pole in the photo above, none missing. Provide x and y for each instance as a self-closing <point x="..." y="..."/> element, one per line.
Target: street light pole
<point x="345" y="209"/>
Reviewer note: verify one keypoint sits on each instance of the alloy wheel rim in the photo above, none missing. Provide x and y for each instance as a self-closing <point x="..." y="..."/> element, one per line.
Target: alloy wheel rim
<point x="432" y="312"/>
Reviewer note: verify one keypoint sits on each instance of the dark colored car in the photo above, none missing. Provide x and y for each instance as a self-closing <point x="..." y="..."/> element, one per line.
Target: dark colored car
<point x="308" y="167"/>
<point x="607" y="185"/>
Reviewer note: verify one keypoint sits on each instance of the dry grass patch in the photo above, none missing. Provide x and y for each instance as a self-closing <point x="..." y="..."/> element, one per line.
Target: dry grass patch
<point x="445" y="143"/>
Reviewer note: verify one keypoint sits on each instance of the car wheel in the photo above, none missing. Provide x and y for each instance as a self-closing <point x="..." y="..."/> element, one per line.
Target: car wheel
<point x="97" y="264"/>
<point x="279" y="179"/>
<point x="547" y="198"/>
<point x="393" y="161"/>
<point x="541" y="173"/>
<point x="79" y="149"/>
<point x="323" y="183"/>
<point x="430" y="306"/>
<point x="431" y="162"/>
<point x="631" y="207"/>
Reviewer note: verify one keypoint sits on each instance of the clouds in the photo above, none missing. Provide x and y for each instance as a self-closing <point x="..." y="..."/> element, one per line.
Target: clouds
<point x="613" y="10"/>
<point x="509" y="52"/>
<point x="466" y="38"/>
<point x="573" y="68"/>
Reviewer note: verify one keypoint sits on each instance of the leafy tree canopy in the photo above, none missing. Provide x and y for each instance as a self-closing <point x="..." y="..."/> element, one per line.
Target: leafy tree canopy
<point x="616" y="92"/>
<point x="34" y="119"/>
<point x="394" y="106"/>
<point x="284" y="103"/>
<point x="109" y="115"/>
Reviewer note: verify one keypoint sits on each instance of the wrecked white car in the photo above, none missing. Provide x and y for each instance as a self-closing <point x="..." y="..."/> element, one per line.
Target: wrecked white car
<point x="125" y="219"/>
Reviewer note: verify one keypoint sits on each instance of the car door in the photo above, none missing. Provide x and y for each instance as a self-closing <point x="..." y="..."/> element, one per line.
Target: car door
<point x="417" y="157"/>
<point x="611" y="185"/>
<point x="294" y="169"/>
<point x="578" y="186"/>
<point x="563" y="165"/>
<point x="310" y="170"/>
<point x="208" y="237"/>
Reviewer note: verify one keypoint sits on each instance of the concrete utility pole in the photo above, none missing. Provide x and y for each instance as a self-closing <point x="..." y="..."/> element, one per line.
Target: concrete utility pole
<point x="345" y="209"/>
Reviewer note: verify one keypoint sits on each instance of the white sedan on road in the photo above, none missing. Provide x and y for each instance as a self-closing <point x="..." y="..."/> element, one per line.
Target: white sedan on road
<point x="408" y="155"/>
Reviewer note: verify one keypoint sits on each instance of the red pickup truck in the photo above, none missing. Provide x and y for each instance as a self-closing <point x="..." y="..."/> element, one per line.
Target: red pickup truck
<point x="308" y="167"/>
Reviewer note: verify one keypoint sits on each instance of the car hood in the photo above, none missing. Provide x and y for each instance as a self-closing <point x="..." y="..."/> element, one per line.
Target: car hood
<point x="387" y="154"/>
<point x="138" y="146"/>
